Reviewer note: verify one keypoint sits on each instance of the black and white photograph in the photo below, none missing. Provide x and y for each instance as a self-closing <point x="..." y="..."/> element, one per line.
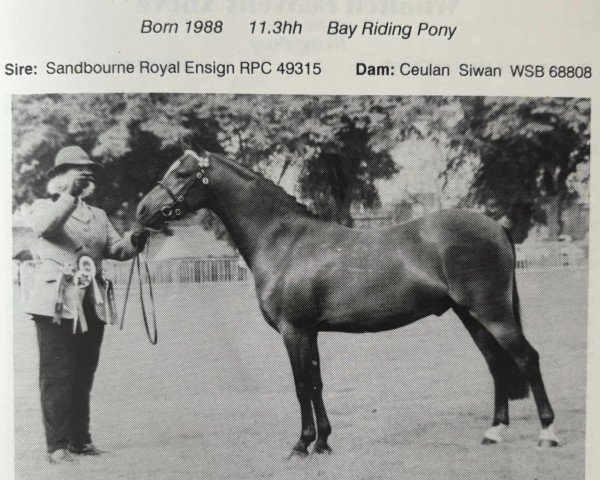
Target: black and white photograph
<point x="212" y="286"/>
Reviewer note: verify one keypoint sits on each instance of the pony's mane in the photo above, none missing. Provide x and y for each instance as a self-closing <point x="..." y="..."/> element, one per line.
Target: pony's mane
<point x="284" y="199"/>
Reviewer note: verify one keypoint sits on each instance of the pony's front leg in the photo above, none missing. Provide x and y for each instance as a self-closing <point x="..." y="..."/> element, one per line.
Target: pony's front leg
<point x="323" y="425"/>
<point x="298" y="345"/>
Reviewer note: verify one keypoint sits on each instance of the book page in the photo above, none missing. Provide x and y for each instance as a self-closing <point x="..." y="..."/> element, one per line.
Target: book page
<point x="285" y="239"/>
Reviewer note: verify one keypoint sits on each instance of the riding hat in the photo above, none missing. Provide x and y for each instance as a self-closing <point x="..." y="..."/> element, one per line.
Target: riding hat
<point x="72" y="156"/>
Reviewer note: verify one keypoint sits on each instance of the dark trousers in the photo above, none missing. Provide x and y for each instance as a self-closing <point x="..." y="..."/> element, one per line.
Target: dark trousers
<point x="68" y="362"/>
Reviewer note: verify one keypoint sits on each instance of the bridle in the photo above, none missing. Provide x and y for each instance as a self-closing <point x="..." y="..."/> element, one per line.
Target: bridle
<point x="170" y="211"/>
<point x="175" y="209"/>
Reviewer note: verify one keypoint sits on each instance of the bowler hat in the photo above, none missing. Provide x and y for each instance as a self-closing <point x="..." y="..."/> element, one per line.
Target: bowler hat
<point x="72" y="156"/>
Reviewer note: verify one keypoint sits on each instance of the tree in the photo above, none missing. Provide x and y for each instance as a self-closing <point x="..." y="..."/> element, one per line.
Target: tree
<point x="327" y="137"/>
<point x="528" y="150"/>
<point x="42" y="124"/>
<point x="533" y="153"/>
<point x="345" y="143"/>
<point x="344" y="173"/>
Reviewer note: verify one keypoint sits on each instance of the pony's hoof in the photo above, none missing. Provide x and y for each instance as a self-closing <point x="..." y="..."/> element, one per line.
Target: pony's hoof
<point x="493" y="434"/>
<point x="548" y="438"/>
<point x="297" y="454"/>
<point x="489" y="441"/>
<point x="323" y="449"/>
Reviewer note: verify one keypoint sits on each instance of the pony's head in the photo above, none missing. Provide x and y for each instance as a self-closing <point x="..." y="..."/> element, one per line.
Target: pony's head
<point x="182" y="190"/>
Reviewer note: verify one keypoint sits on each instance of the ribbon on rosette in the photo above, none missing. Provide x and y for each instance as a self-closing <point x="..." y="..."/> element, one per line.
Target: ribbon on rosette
<point x="110" y="306"/>
<point x="82" y="276"/>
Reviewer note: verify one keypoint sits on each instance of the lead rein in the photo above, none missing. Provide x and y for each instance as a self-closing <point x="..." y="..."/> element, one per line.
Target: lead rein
<point x="137" y="261"/>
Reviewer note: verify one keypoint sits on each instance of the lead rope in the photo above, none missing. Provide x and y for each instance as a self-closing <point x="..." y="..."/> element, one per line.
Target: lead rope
<point x="137" y="261"/>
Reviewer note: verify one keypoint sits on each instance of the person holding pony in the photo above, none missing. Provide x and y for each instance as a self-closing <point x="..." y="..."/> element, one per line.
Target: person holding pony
<point x="70" y="299"/>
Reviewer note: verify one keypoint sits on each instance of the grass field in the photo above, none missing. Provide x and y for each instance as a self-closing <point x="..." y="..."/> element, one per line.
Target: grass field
<point x="215" y="398"/>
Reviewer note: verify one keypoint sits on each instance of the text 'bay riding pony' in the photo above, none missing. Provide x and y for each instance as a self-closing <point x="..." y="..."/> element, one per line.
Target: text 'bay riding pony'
<point x="313" y="276"/>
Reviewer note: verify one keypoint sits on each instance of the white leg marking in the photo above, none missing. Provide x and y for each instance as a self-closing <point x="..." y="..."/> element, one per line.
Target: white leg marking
<point x="547" y="437"/>
<point x="495" y="433"/>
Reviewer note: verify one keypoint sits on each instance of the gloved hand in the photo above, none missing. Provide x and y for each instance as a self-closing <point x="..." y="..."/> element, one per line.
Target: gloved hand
<point x="139" y="238"/>
<point x="80" y="183"/>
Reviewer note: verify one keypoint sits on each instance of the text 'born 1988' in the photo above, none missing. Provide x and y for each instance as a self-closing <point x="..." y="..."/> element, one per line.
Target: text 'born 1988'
<point x="173" y="28"/>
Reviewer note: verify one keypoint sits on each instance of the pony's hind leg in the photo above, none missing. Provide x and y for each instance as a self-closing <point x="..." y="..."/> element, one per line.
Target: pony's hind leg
<point x="509" y="336"/>
<point x="534" y="375"/>
<point x="482" y="282"/>
<point x="497" y="361"/>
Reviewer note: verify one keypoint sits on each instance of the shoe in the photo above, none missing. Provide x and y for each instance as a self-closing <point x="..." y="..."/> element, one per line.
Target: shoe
<point x="85" y="449"/>
<point x="62" y="455"/>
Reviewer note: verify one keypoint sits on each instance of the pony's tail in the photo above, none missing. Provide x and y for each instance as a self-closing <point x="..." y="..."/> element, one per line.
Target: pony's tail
<point x="516" y="304"/>
<point x="518" y="386"/>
